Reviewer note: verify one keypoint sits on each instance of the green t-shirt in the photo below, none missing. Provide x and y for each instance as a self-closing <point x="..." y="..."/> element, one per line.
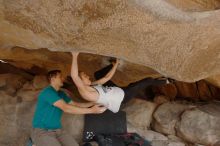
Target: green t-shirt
<point x="46" y="115"/>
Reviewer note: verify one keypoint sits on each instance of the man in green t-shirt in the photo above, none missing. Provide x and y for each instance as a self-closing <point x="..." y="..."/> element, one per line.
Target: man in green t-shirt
<point x="52" y="102"/>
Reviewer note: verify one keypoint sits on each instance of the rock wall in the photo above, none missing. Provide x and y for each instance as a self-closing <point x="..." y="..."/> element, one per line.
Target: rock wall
<point x="196" y="5"/>
<point x="41" y="61"/>
<point x="178" y="43"/>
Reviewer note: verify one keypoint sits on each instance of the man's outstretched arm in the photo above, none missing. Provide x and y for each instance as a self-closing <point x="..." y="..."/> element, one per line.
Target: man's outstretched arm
<point x="108" y="76"/>
<point x="67" y="108"/>
<point x="82" y="104"/>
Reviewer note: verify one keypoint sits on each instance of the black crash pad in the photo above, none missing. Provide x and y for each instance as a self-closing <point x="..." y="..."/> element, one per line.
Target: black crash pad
<point x="105" y="123"/>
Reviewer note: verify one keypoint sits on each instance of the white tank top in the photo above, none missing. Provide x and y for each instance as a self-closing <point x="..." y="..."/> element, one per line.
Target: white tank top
<point x="110" y="97"/>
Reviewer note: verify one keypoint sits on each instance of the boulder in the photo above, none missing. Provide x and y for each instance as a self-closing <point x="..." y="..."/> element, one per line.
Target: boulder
<point x="166" y="116"/>
<point x="198" y="126"/>
<point x="152" y="135"/>
<point x="6" y="99"/>
<point x="167" y="143"/>
<point x="28" y="95"/>
<point x="15" y="123"/>
<point x="28" y="86"/>
<point x="40" y="82"/>
<point x="147" y="134"/>
<point x="174" y="138"/>
<point x="74" y="125"/>
<point x="11" y="82"/>
<point x="139" y="112"/>
<point x="160" y="99"/>
<point x="168" y="90"/>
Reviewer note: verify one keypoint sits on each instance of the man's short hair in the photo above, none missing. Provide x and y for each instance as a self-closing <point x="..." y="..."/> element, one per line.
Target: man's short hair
<point x="52" y="73"/>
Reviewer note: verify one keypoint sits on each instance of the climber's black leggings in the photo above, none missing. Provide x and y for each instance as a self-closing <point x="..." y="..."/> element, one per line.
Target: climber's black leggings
<point x="132" y="89"/>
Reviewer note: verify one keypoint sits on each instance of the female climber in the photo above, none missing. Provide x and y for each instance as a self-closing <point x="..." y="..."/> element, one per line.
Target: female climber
<point x="109" y="96"/>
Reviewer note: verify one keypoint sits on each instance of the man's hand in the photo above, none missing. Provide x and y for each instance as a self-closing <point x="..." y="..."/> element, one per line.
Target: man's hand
<point x="61" y="104"/>
<point x="98" y="109"/>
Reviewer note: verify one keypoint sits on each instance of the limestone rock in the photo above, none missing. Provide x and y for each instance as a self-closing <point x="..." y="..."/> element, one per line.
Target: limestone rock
<point x="174" y="138"/>
<point x="41" y="61"/>
<point x="74" y="125"/>
<point x="15" y="123"/>
<point x="200" y="127"/>
<point x="7" y="99"/>
<point x="147" y="134"/>
<point x="9" y="68"/>
<point x="197" y="91"/>
<point x="2" y="82"/>
<point x="166" y="116"/>
<point x="196" y="5"/>
<point x="217" y="143"/>
<point x="131" y="128"/>
<point x="168" y="90"/>
<point x="212" y="108"/>
<point x="180" y="44"/>
<point x="166" y="143"/>
<point x="204" y="91"/>
<point x="28" y="86"/>
<point x="215" y="92"/>
<point x="16" y="81"/>
<point x="40" y="82"/>
<point x="198" y="145"/>
<point x="160" y="99"/>
<point x="12" y="82"/>
<point x="187" y="90"/>
<point x="200" y="90"/>
<point x="139" y="112"/>
<point x="28" y="95"/>
<point x="215" y="80"/>
<point x="152" y="135"/>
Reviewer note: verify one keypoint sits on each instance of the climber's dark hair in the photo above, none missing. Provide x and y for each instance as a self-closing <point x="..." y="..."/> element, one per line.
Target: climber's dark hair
<point x="52" y="73"/>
